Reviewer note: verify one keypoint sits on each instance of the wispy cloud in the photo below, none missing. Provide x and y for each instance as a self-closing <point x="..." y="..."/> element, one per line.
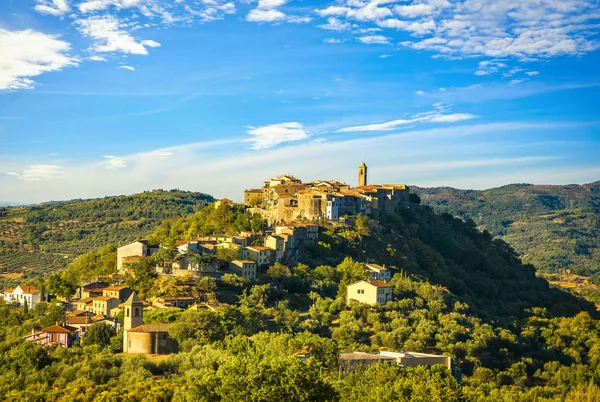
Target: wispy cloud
<point x="436" y="116"/>
<point x="127" y="68"/>
<point x="374" y="40"/>
<point x="275" y="134"/>
<point x="38" y="172"/>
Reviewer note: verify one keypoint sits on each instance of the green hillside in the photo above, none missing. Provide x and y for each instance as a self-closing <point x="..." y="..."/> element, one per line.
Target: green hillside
<point x="41" y="238"/>
<point x="457" y="292"/>
<point x="552" y="227"/>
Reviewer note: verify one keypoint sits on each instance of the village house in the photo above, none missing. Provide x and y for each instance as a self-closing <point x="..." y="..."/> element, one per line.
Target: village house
<point x="278" y="244"/>
<point x="369" y="292"/>
<point x="84" y="290"/>
<point x="245" y="268"/>
<point x="174" y="302"/>
<point x="144" y="338"/>
<point x="131" y="253"/>
<point x="84" y="322"/>
<point x="119" y="292"/>
<point x="99" y="305"/>
<point x="260" y="255"/>
<point x="350" y="361"/>
<point x="59" y="334"/>
<point x="23" y="294"/>
<point x="378" y="272"/>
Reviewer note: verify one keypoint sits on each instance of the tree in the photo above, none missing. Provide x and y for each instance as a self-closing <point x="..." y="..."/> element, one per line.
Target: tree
<point x="99" y="334"/>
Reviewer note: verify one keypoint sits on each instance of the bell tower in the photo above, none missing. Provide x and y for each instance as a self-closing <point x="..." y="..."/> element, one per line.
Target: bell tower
<point x="134" y="317"/>
<point x="134" y="312"/>
<point x="362" y="175"/>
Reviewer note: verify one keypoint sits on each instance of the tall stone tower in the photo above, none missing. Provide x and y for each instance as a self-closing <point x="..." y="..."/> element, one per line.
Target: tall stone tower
<point x="362" y="174"/>
<point x="134" y="317"/>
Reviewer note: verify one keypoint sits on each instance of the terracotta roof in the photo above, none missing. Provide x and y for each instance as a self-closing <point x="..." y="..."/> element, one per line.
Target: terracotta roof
<point x="85" y="300"/>
<point x="79" y="320"/>
<point x="59" y="329"/>
<point x="182" y="242"/>
<point x="8" y="291"/>
<point x="104" y="298"/>
<point x="259" y="248"/>
<point x="151" y="328"/>
<point x="78" y="313"/>
<point x="28" y="290"/>
<point x="95" y="290"/>
<point x="115" y="288"/>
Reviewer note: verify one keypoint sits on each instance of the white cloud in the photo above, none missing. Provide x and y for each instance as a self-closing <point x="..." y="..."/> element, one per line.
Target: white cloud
<point x="54" y="7"/>
<point x="96" y="58"/>
<point x="436" y="116"/>
<point x="109" y="36"/>
<point x="414" y="10"/>
<point x="420" y="93"/>
<point x="38" y="172"/>
<point x="98" y="5"/>
<point x="27" y="54"/>
<point x="274" y="134"/>
<point x="384" y="56"/>
<point x="114" y="162"/>
<point x="374" y="40"/>
<point x="525" y="29"/>
<point x="127" y="68"/>
<point x="258" y="15"/>
<point x="489" y="67"/>
<point x="333" y="24"/>
<point x="333" y="41"/>
<point x="515" y="82"/>
<point x="532" y="73"/>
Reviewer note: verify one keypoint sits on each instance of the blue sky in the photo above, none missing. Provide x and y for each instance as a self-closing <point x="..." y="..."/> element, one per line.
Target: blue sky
<point x="103" y="97"/>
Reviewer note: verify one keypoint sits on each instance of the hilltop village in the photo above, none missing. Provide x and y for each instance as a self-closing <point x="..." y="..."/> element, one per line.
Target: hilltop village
<point x="294" y="212"/>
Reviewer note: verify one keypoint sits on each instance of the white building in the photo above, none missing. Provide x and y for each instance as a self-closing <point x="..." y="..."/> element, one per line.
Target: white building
<point x="378" y="272"/>
<point x="22" y="294"/>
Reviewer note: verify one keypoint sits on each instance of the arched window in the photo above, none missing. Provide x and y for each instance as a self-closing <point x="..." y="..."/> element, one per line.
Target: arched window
<point x="127" y="312"/>
<point x="137" y="312"/>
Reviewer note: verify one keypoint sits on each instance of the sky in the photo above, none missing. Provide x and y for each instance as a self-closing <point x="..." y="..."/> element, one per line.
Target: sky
<point x="107" y="97"/>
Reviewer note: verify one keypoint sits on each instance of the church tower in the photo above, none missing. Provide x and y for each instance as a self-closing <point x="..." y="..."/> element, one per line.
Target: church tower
<point x="362" y="175"/>
<point x="134" y="317"/>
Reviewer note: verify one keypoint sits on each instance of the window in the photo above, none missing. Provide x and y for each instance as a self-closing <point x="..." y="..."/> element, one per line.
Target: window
<point x="126" y="312"/>
<point x="137" y="312"/>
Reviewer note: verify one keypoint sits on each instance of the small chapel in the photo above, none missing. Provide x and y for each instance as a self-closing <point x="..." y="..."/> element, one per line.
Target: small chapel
<point x="150" y="339"/>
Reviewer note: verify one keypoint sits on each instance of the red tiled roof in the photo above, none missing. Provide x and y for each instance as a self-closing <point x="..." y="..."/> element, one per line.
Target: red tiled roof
<point x="115" y="288"/>
<point x="151" y="328"/>
<point x="8" y="291"/>
<point x="28" y="290"/>
<point x="59" y="329"/>
<point x="380" y="284"/>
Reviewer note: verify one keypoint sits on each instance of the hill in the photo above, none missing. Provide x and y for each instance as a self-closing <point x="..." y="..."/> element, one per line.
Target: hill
<point x="552" y="227"/>
<point x="44" y="237"/>
<point x="457" y="292"/>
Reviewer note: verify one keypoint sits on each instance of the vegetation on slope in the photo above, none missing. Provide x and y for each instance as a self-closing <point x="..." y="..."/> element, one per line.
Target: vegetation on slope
<point x="457" y="292"/>
<point x="41" y="238"/>
<point x="552" y="227"/>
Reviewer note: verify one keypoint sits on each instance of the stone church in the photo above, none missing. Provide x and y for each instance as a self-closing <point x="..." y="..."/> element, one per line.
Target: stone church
<point x="144" y="338"/>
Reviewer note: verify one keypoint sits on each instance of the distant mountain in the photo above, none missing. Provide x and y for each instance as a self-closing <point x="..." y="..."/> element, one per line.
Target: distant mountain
<point x="49" y="235"/>
<point x="11" y="204"/>
<point x="551" y="227"/>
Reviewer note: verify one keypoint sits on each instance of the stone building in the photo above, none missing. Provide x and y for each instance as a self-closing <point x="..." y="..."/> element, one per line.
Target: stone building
<point x="245" y="268"/>
<point x="286" y="199"/>
<point x="134" y="251"/>
<point x="370" y="292"/>
<point x="144" y="338"/>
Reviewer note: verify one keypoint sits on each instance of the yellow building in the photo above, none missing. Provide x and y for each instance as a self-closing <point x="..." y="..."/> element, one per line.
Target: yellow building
<point x="144" y="338"/>
<point x="99" y="305"/>
<point x="245" y="268"/>
<point x="260" y="255"/>
<point x="369" y="292"/>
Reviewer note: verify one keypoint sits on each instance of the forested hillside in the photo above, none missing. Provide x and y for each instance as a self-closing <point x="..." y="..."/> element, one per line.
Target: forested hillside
<point x="41" y="238"/>
<point x="552" y="227"/>
<point x="457" y="292"/>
